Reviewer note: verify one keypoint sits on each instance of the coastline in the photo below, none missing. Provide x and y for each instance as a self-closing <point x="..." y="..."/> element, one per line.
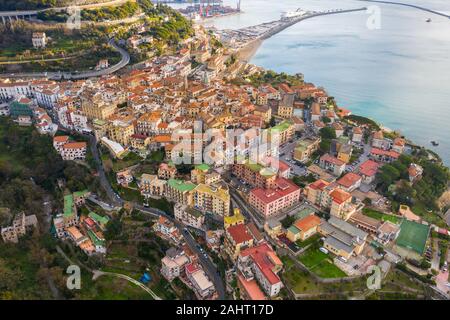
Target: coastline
<point x="246" y="53"/>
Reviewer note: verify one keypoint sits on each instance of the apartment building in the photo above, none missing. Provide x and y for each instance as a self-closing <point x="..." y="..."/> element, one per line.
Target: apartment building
<point x="237" y="238"/>
<point x="74" y="151"/>
<point x="18" y="228"/>
<point x="332" y="164"/>
<point x="269" y="202"/>
<point x="305" y="148"/>
<point x="212" y="199"/>
<point x="151" y="185"/>
<point x="173" y="263"/>
<point x="180" y="191"/>
<point x="262" y="264"/>
<point x="189" y="216"/>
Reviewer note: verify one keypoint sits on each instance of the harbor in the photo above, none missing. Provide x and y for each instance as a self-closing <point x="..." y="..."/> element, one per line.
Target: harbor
<point x="245" y="41"/>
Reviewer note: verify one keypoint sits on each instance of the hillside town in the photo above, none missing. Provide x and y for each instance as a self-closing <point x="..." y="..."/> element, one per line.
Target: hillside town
<point x="266" y="179"/>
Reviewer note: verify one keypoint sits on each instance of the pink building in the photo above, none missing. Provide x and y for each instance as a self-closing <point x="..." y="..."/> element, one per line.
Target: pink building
<point x="269" y="202"/>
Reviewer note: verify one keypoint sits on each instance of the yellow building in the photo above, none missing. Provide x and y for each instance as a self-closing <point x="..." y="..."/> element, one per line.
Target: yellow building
<point x="235" y="219"/>
<point x="202" y="174"/>
<point x="212" y="199"/>
<point x="345" y="153"/>
<point x="95" y="108"/>
<point x="305" y="148"/>
<point x="282" y="132"/>
<point x="285" y="111"/>
<point x="273" y="228"/>
<point x="120" y="131"/>
<point x="264" y="111"/>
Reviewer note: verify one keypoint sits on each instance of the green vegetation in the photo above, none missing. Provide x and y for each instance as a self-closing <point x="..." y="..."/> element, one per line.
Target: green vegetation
<point x="363" y="121"/>
<point x="10" y="5"/>
<point x="274" y="78"/>
<point x="392" y="181"/>
<point x="30" y="168"/>
<point x="123" y="11"/>
<point x="78" y="49"/>
<point x="327" y="134"/>
<point x="171" y="27"/>
<point x="307" y="242"/>
<point x="381" y="216"/>
<point x="288" y="221"/>
<point x="320" y="263"/>
<point x="302" y="181"/>
<point x="301" y="282"/>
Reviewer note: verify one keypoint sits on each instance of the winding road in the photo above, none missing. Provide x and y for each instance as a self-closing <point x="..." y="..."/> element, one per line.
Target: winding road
<point x="76" y="76"/>
<point x="209" y="267"/>
<point x="98" y="273"/>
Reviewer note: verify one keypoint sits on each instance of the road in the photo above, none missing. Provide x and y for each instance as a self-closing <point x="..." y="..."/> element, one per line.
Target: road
<point x="86" y="6"/>
<point x="209" y="267"/>
<point x="98" y="273"/>
<point x="207" y="264"/>
<point x="125" y="60"/>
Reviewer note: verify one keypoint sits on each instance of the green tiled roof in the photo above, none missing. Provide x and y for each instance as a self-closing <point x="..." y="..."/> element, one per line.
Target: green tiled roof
<point x="283" y="126"/>
<point x="80" y="193"/>
<point x="303" y="213"/>
<point x="194" y="212"/>
<point x="103" y="220"/>
<point x="95" y="239"/>
<point x="181" y="185"/>
<point x="256" y="167"/>
<point x="202" y="167"/>
<point x="68" y="205"/>
<point x="293" y="229"/>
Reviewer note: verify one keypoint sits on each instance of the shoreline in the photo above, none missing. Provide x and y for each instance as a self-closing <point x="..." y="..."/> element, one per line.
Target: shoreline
<point x="246" y="53"/>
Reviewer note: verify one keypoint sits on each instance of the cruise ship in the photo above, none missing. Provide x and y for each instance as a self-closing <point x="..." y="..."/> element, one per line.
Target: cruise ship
<point x="293" y="14"/>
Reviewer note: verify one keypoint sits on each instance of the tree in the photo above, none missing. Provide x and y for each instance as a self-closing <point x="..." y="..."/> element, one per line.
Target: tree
<point x="327" y="133"/>
<point x="272" y="122"/>
<point x="113" y="229"/>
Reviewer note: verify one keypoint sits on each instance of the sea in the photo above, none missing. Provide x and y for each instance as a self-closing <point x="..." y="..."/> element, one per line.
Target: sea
<point x="389" y="63"/>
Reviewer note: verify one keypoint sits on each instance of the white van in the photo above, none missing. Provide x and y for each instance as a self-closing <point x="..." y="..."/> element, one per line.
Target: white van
<point x="323" y="250"/>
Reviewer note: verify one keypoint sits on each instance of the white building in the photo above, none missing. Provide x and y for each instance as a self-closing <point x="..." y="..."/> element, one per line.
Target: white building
<point x="189" y="216"/>
<point x="39" y="39"/>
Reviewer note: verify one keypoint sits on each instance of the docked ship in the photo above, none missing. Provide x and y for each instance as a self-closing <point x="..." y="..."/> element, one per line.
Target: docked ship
<point x="293" y="14"/>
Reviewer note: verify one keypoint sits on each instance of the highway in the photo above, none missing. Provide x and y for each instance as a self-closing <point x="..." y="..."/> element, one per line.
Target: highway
<point x="76" y="76"/>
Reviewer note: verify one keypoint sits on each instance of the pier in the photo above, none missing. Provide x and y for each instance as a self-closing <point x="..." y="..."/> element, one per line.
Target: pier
<point x="240" y="38"/>
<point x="411" y="6"/>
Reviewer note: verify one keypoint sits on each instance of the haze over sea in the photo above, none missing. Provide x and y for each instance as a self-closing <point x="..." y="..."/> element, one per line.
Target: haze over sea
<point x="398" y="75"/>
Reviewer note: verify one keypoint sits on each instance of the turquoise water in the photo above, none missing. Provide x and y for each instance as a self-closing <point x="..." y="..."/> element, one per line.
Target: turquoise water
<point x="398" y="75"/>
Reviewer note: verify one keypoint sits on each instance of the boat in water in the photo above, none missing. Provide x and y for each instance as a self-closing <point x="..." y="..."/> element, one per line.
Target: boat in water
<point x="293" y="14"/>
<point x="434" y="143"/>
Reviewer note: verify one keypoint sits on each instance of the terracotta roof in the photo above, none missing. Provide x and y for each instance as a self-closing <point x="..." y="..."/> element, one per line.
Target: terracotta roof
<point x="75" y="145"/>
<point x="266" y="260"/>
<point x="252" y="288"/>
<point x="307" y="223"/>
<point x="239" y="233"/>
<point x="340" y="196"/>
<point x="61" y="139"/>
<point x="349" y="179"/>
<point x="319" y="184"/>
<point x="368" y="168"/>
<point x="328" y="158"/>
